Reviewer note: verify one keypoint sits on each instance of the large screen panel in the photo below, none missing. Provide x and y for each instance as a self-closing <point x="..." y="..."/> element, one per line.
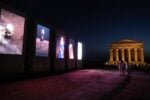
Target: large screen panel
<point x="71" y="48"/>
<point x="11" y="33"/>
<point x="60" y="47"/>
<point x="42" y="40"/>
<point x="79" y="51"/>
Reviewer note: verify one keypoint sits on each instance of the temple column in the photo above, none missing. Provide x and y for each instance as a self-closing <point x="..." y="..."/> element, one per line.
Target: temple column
<point x="135" y="55"/>
<point x="117" y="56"/>
<point x="122" y="54"/>
<point x="142" y="55"/>
<point x="111" y="55"/>
<point x="129" y="55"/>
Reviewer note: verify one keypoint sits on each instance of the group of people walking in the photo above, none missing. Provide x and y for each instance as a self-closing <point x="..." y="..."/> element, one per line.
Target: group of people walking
<point x="123" y="67"/>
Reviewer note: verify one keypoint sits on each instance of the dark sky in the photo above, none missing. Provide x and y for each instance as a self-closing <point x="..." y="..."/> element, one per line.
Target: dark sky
<point x="96" y="23"/>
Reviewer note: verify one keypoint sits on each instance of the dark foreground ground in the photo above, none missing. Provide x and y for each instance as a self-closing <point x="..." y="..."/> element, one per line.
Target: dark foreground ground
<point x="89" y="84"/>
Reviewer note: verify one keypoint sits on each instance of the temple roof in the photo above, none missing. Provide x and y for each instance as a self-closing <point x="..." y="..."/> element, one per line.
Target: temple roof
<point x="127" y="41"/>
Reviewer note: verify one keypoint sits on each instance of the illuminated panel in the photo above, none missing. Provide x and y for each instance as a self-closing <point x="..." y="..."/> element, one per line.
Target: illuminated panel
<point x="42" y="40"/>
<point x="11" y="33"/>
<point x="71" y="48"/>
<point x="60" y="47"/>
<point x="71" y="55"/>
<point x="79" y="51"/>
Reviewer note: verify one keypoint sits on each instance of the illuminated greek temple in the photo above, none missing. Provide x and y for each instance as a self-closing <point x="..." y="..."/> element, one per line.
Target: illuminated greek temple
<point x="127" y="50"/>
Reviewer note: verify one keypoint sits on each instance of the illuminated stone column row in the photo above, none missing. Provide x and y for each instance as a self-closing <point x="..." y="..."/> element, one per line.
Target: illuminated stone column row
<point x="111" y="53"/>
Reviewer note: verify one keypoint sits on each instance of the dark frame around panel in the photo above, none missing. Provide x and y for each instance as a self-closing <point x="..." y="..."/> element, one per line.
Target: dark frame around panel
<point x="59" y="64"/>
<point x="42" y="60"/>
<point x="15" y="60"/>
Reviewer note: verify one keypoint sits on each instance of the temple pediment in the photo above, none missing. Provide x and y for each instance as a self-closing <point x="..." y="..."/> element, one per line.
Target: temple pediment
<point x="127" y="41"/>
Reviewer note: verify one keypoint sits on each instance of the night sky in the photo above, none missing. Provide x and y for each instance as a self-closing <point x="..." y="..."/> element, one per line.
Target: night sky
<point x="97" y="24"/>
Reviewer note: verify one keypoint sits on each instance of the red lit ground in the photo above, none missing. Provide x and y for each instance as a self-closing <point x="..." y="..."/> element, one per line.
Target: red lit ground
<point x="137" y="89"/>
<point x="77" y="85"/>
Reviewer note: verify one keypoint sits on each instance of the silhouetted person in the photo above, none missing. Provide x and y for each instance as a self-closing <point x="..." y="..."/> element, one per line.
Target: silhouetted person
<point x="119" y="66"/>
<point x="128" y="69"/>
<point x="123" y="68"/>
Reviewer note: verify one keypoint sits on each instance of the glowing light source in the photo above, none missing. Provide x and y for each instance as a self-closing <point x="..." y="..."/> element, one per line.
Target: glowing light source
<point x="42" y="40"/>
<point x="62" y="41"/>
<point x="10" y="27"/>
<point x="79" y="51"/>
<point x="43" y="31"/>
<point x="71" y="56"/>
<point x="11" y="32"/>
<point x="60" y="48"/>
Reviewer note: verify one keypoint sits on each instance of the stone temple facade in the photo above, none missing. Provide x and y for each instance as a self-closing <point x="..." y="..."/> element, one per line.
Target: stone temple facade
<point x="127" y="50"/>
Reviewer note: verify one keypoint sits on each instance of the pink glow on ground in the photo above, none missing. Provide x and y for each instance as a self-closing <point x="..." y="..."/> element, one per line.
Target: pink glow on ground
<point x="77" y="85"/>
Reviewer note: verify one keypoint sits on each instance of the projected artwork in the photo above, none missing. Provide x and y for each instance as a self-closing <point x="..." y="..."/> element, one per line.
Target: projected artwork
<point x="79" y="51"/>
<point x="71" y="50"/>
<point x="11" y="33"/>
<point x="60" y="47"/>
<point x="42" y="40"/>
